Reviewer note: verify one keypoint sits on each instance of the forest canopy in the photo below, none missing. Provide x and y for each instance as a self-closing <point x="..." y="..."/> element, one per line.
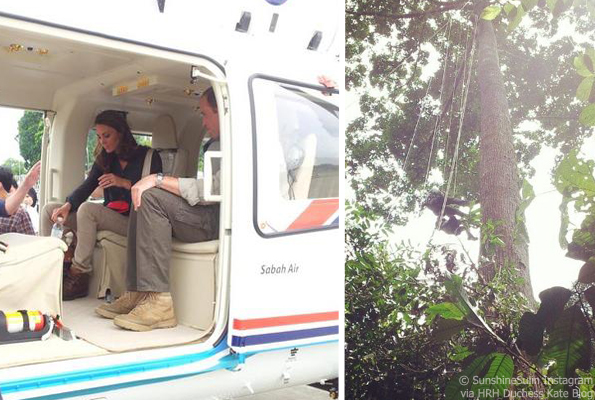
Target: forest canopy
<point x="460" y="97"/>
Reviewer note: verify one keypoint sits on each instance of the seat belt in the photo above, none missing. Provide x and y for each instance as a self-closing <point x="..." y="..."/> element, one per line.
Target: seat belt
<point x="146" y="165"/>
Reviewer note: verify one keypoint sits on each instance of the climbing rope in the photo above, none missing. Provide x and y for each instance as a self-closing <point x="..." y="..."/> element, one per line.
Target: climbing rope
<point x="421" y="109"/>
<point x="468" y="71"/>
<point x="439" y="116"/>
<point x="451" y="107"/>
<point x="425" y="96"/>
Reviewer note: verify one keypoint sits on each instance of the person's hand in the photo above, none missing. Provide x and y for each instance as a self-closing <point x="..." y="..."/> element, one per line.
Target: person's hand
<point x="139" y="187"/>
<point x="32" y="176"/>
<point x="61" y="211"/>
<point x="327" y="82"/>
<point x="109" y="180"/>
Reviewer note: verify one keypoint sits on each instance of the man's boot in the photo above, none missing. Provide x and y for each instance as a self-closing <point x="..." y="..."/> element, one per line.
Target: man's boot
<point x="76" y="283"/>
<point x="156" y="310"/>
<point x="123" y="305"/>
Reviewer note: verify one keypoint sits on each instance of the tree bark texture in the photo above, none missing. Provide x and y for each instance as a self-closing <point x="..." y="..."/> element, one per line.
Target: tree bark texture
<point x="499" y="176"/>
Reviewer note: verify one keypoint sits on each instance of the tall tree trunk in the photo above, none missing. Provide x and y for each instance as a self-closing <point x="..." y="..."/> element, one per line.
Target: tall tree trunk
<point x="499" y="188"/>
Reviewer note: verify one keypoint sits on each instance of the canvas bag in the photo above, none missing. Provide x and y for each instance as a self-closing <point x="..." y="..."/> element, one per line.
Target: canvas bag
<point x="31" y="273"/>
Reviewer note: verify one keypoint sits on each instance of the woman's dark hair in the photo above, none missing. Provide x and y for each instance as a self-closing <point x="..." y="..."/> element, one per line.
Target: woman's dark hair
<point x="6" y="178"/>
<point x="127" y="147"/>
<point x="33" y="194"/>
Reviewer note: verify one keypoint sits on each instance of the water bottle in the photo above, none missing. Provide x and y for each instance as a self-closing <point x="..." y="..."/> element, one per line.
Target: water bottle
<point x="58" y="228"/>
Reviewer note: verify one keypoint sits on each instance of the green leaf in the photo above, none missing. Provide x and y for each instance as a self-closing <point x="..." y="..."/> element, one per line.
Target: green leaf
<point x="447" y="328"/>
<point x="589" y="59"/>
<point x="582" y="246"/>
<point x="529" y="4"/>
<point x="564" y="220"/>
<point x="496" y="241"/>
<point x="460" y="353"/>
<point x="508" y="7"/>
<point x="454" y="286"/>
<point x="516" y="20"/>
<point x="590" y="296"/>
<point x="456" y="387"/>
<point x="527" y="196"/>
<point x="573" y="174"/>
<point x="500" y="371"/>
<point x="559" y="6"/>
<point x="585" y="63"/>
<point x="552" y="4"/>
<point x="553" y="301"/>
<point x="569" y="343"/>
<point x="584" y="89"/>
<point x="587" y="272"/>
<point x="531" y="333"/>
<point x="586" y="385"/>
<point x="581" y="66"/>
<point x="446" y="311"/>
<point x="587" y="116"/>
<point x="490" y="12"/>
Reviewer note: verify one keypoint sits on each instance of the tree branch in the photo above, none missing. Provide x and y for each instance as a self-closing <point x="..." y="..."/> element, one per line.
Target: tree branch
<point x="406" y="57"/>
<point x="446" y="7"/>
<point x="444" y="3"/>
<point x="562" y="117"/>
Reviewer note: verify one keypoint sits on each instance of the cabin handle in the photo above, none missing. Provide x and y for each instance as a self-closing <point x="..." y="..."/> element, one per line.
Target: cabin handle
<point x="208" y="175"/>
<point x="196" y="73"/>
<point x="53" y="177"/>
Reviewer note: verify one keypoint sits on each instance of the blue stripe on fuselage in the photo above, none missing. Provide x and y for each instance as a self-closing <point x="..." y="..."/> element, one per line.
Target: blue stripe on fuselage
<point x="107" y="372"/>
<point x="253" y="340"/>
<point x="228" y="361"/>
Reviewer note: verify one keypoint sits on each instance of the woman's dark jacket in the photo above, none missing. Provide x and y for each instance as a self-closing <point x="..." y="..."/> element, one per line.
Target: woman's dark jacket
<point x="132" y="172"/>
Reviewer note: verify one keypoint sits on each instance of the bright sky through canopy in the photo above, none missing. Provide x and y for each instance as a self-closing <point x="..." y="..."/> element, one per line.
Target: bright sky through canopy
<point x="9" y="119"/>
<point x="548" y="264"/>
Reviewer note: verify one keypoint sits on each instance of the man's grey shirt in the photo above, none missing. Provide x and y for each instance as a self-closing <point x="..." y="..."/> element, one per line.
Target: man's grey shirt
<point x="193" y="190"/>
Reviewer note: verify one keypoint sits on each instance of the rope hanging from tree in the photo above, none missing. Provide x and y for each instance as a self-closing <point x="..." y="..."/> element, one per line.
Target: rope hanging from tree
<point x="421" y="108"/>
<point x="460" y="69"/>
<point x="468" y="71"/>
<point x="449" y="129"/>
<point x="439" y="116"/>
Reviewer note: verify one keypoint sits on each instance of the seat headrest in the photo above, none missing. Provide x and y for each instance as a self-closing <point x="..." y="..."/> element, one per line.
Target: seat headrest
<point x="164" y="133"/>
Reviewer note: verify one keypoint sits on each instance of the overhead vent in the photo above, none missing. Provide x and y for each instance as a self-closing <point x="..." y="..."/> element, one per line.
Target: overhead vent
<point x="244" y="23"/>
<point x="273" y="24"/>
<point x="315" y="41"/>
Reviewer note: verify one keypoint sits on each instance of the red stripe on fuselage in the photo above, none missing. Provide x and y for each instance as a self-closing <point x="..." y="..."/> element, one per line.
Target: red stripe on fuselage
<point x="243" y="324"/>
<point x="315" y="215"/>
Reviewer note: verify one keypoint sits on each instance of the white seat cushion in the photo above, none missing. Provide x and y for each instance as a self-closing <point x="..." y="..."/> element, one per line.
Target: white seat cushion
<point x="112" y="237"/>
<point x="210" y="247"/>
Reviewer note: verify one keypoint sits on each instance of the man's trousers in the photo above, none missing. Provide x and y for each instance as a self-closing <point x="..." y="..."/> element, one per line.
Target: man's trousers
<point x="162" y="215"/>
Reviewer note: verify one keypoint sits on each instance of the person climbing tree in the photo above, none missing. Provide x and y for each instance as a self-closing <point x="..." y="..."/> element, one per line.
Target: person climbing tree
<point x="447" y="220"/>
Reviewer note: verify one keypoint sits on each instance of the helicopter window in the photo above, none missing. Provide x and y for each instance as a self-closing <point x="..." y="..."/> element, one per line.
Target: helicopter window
<point x="297" y="142"/>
